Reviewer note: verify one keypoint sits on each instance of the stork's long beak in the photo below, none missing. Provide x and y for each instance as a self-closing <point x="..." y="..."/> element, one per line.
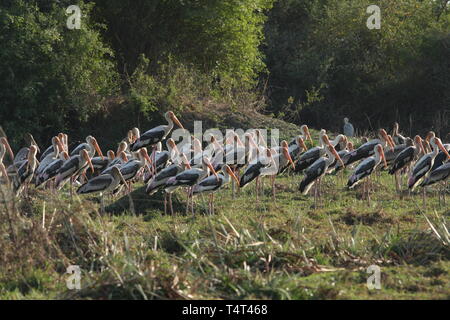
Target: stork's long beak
<point x="3" y="171"/>
<point x="97" y="148"/>
<point x="387" y="139"/>
<point x="302" y="144"/>
<point x="232" y="175"/>
<point x="336" y="155"/>
<point x="308" y="135"/>
<point x="66" y="155"/>
<point x="441" y="146"/>
<point x="176" y="121"/>
<point x="123" y="155"/>
<point x="421" y="146"/>
<point x="212" y="170"/>
<point x="60" y="145"/>
<point x="66" y="142"/>
<point x="288" y="157"/>
<point x="88" y="159"/>
<point x="145" y="154"/>
<point x="8" y="148"/>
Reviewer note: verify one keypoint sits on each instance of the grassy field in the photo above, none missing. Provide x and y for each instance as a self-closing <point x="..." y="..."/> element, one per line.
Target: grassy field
<point x="283" y="249"/>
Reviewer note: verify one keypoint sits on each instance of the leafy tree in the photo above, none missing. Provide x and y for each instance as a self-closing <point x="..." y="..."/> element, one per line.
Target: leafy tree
<point x="218" y="37"/>
<point x="52" y="78"/>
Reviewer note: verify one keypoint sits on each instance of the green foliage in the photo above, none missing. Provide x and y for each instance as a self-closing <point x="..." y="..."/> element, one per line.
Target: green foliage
<point x="218" y="37"/>
<point x="52" y="78"/>
<point x="399" y="72"/>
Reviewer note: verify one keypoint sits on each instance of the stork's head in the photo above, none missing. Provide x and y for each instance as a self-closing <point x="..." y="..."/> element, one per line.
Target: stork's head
<point x="305" y="131"/>
<point x="379" y="150"/>
<point x="144" y="155"/>
<point x="335" y="154"/>
<point x="85" y="155"/>
<point x="170" y="115"/>
<point x="438" y="143"/>
<point x="350" y="146"/>
<point x="111" y="155"/>
<point x="301" y="143"/>
<point x="384" y="136"/>
<point x="430" y="136"/>
<point x="93" y="142"/>
<point x="285" y="151"/>
<point x="227" y="169"/>
<point x="208" y="164"/>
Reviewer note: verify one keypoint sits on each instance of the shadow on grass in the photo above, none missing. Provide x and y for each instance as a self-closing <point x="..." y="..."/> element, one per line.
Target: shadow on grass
<point x="143" y="204"/>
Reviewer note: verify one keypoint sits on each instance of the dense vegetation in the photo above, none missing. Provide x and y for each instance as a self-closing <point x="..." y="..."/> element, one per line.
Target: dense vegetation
<point x="222" y="61"/>
<point x="296" y="59"/>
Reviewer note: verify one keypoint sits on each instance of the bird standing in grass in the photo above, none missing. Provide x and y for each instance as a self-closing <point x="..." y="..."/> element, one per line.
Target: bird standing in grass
<point x="189" y="178"/>
<point x="212" y="184"/>
<point x="365" y="169"/>
<point x="103" y="183"/>
<point x="315" y="172"/>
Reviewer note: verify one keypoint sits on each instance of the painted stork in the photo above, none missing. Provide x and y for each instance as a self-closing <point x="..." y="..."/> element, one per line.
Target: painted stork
<point x="406" y="157"/>
<point x="51" y="148"/>
<point x="118" y="161"/>
<point x="160" y="180"/>
<point x="104" y="183"/>
<point x="157" y="134"/>
<point x="344" y="155"/>
<point x="26" y="172"/>
<point x="21" y="156"/>
<point x="365" y="169"/>
<point x="131" y="169"/>
<point x="189" y="178"/>
<point x="72" y="168"/>
<point x="57" y="147"/>
<point x="398" y="148"/>
<point x="255" y="170"/>
<point x="308" y="158"/>
<point x="297" y="148"/>
<point x="91" y="146"/>
<point x="441" y="158"/>
<point x="100" y="163"/>
<point x="305" y="135"/>
<point x="163" y="158"/>
<point x="315" y="172"/>
<point x="51" y="170"/>
<point x="368" y="148"/>
<point x="423" y="165"/>
<point x="212" y="184"/>
<point x="439" y="174"/>
<point x="282" y="159"/>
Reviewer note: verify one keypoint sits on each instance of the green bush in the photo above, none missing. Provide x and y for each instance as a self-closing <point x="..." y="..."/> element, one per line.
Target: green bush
<point x="52" y="78"/>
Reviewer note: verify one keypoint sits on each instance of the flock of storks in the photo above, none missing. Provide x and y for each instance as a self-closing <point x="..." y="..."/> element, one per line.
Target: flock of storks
<point x="207" y="170"/>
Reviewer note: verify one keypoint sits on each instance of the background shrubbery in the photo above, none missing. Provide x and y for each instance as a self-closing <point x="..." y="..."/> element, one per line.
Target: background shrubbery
<point x="299" y="60"/>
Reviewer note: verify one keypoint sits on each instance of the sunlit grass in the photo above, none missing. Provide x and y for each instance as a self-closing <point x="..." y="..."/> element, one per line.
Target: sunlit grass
<point x="283" y="249"/>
